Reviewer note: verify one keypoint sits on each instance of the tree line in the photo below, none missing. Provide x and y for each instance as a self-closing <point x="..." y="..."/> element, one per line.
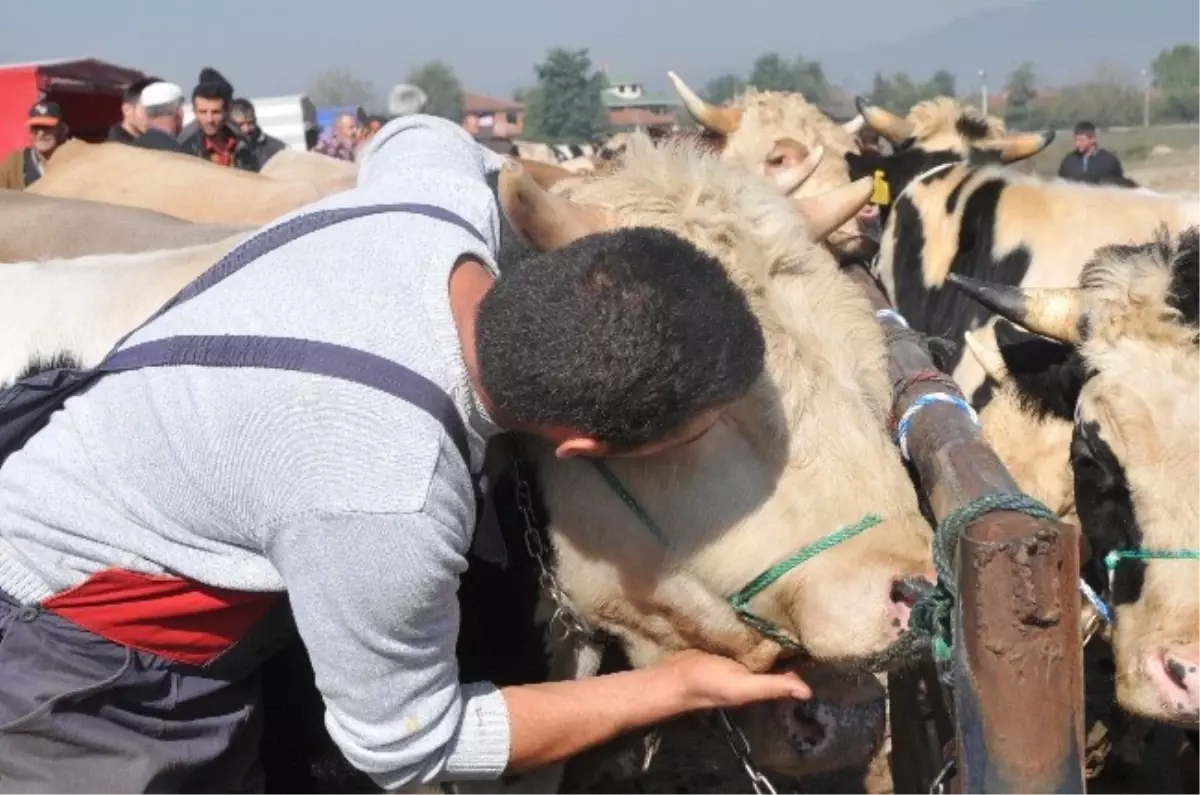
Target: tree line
<point x="564" y="104"/>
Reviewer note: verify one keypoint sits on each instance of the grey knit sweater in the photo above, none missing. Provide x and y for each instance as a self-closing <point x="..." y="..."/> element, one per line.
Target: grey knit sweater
<point x="355" y="503"/>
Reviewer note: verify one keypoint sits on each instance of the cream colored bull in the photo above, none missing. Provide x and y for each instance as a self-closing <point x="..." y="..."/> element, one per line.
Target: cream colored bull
<point x="327" y="174"/>
<point x="180" y="185"/>
<point x="35" y="228"/>
<point x="806" y="453"/>
<point x="767" y="130"/>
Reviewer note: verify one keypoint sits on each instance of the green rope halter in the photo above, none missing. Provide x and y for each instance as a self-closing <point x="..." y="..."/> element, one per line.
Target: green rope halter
<point x="741" y="599"/>
<point x="1117" y="555"/>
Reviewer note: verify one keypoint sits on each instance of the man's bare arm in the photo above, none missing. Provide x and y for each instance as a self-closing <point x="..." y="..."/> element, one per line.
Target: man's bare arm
<point x="553" y="721"/>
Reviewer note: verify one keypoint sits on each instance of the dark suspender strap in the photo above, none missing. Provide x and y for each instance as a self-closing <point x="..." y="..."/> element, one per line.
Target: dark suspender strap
<point x="265" y="242"/>
<point x="301" y="356"/>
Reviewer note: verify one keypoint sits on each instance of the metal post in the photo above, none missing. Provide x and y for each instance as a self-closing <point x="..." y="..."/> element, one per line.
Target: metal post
<point x="1145" y="98"/>
<point x="1018" y="681"/>
<point x="983" y="92"/>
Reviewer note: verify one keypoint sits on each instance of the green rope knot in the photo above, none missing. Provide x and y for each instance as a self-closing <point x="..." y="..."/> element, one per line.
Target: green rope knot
<point x="933" y="613"/>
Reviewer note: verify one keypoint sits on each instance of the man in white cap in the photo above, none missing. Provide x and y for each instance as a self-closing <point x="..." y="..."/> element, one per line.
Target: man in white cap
<point x="164" y="117"/>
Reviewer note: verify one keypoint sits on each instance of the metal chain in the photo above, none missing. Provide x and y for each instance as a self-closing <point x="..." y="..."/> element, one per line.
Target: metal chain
<point x="568" y="619"/>
<point x="938" y="787"/>
<point x="741" y="749"/>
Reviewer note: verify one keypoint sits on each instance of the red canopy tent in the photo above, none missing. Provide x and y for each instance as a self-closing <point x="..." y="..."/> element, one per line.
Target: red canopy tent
<point x="88" y="91"/>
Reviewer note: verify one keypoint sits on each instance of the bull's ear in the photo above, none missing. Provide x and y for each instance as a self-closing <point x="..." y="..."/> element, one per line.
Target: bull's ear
<point x="1047" y="375"/>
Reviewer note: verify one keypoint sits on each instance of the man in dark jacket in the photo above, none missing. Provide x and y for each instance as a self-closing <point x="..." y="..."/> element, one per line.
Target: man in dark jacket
<point x="215" y="138"/>
<point x="133" y="115"/>
<point x="163" y="104"/>
<point x="1090" y="163"/>
<point x="244" y="117"/>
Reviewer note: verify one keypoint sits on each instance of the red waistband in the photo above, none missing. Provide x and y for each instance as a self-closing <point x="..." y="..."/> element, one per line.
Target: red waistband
<point x="179" y="620"/>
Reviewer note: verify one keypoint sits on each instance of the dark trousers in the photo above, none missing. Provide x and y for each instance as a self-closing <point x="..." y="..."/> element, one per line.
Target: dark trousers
<point x="79" y="713"/>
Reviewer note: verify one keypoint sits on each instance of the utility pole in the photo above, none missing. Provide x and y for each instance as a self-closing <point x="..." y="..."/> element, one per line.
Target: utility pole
<point x="983" y="94"/>
<point x="1145" y="97"/>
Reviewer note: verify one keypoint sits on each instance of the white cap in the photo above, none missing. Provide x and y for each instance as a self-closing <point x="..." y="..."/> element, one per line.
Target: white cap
<point x="158" y="95"/>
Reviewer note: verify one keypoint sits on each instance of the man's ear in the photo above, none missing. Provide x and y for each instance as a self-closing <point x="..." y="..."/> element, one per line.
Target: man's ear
<point x="584" y="446"/>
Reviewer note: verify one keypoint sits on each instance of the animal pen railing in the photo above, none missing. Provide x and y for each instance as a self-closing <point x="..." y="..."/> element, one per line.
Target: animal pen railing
<point x="1014" y="665"/>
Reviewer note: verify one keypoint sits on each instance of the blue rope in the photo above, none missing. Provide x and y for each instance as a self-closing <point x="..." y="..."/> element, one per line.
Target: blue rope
<point x="1117" y="555"/>
<point x="921" y="402"/>
<point x="893" y="315"/>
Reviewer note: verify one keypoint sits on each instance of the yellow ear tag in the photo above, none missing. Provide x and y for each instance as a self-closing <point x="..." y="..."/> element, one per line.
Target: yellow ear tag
<point x="883" y="191"/>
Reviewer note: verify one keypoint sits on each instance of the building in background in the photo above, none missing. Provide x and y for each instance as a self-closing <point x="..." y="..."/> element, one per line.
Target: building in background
<point x="631" y="107"/>
<point x="492" y="119"/>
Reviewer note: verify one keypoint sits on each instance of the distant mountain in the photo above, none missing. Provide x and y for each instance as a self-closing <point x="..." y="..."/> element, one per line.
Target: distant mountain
<point x="1065" y="39"/>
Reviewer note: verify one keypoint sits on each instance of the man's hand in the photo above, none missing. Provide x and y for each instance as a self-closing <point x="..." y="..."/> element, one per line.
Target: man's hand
<point x="710" y="681"/>
<point x="550" y="722"/>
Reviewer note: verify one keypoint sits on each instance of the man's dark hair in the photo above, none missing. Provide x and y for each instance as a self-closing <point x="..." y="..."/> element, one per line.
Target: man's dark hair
<point x="243" y="107"/>
<point x="1085" y="128"/>
<point x="133" y="94"/>
<point x="625" y="336"/>
<point x="211" y="91"/>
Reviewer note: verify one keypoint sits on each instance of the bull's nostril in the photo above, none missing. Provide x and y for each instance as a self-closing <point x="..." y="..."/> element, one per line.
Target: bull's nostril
<point x="909" y="589"/>
<point x="1176" y="670"/>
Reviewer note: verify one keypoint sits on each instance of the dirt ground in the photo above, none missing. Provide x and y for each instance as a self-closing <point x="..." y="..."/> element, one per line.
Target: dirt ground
<point x="1172" y="172"/>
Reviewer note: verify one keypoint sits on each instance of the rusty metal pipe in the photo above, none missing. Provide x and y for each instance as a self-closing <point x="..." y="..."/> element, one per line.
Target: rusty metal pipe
<point x="1018" y="680"/>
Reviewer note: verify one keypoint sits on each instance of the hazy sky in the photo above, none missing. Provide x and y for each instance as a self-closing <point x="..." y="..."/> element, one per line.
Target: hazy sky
<point x="269" y="48"/>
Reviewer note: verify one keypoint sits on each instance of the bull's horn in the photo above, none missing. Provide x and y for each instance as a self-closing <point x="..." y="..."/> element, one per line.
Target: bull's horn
<point x="1050" y="311"/>
<point x="545" y="174"/>
<point x="884" y="122"/>
<point x="987" y="353"/>
<point x="1022" y="145"/>
<point x="546" y="221"/>
<point x="789" y="178"/>
<point x="854" y="125"/>
<point x="827" y="211"/>
<point x="719" y="120"/>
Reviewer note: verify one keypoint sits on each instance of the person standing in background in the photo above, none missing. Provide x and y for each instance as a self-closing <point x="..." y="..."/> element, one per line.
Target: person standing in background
<point x="1090" y="163"/>
<point x="47" y="131"/>
<point x="343" y="141"/>
<point x="163" y="107"/>
<point x="133" y="115"/>
<point x="216" y="139"/>
<point x="245" y="118"/>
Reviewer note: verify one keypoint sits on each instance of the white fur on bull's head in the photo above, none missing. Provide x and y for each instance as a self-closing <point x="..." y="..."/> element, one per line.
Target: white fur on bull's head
<point x="803" y="454"/>
<point x="751" y="130"/>
<point x="1136" y="450"/>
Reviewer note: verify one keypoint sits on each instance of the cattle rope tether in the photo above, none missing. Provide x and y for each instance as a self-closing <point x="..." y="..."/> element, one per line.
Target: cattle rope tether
<point x="933" y="614"/>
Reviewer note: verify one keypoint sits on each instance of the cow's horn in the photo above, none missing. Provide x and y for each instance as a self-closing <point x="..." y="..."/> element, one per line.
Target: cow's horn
<point x="546" y="221"/>
<point x="827" y="211"/>
<point x="884" y="122"/>
<point x="719" y="120"/>
<point x="790" y="178"/>
<point x="854" y="125"/>
<point x="545" y="174"/>
<point x="987" y="353"/>
<point x="1050" y="311"/>
<point x="1022" y="145"/>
